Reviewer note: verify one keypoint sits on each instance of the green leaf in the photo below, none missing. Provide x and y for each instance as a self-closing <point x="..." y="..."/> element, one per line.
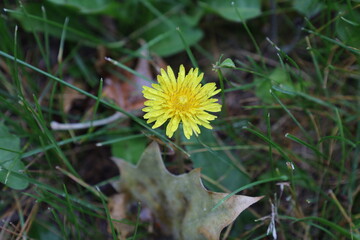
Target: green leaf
<point x="31" y="18"/>
<point x="130" y="149"/>
<point x="40" y="231"/>
<point x="348" y="29"/>
<point x="10" y="160"/>
<point x="238" y="10"/>
<point x="215" y="165"/>
<point x="86" y="6"/>
<point x="227" y="63"/>
<point x="278" y="77"/>
<point x="308" y="8"/>
<point x="167" y="40"/>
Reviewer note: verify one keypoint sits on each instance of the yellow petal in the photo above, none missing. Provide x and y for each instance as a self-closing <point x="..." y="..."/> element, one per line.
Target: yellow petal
<point x="152" y="103"/>
<point x="198" y="79"/>
<point x="206" y="116"/>
<point x="214" y="92"/>
<point x="157" y="87"/>
<point x="154" y="114"/>
<point x="171" y="75"/>
<point x="195" y="81"/>
<point x="147" y="109"/>
<point x="150" y="120"/>
<point x="151" y="96"/>
<point x="213" y="107"/>
<point x="188" y="78"/>
<point x="205" y="124"/>
<point x="194" y="126"/>
<point x="169" y="84"/>
<point x="155" y="92"/>
<point x="160" y="121"/>
<point x="196" y="72"/>
<point x="187" y="128"/>
<point x="165" y="85"/>
<point x="181" y="76"/>
<point x="172" y="126"/>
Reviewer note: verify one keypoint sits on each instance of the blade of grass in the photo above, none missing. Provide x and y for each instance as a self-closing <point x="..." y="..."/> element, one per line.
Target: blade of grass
<point x="46" y="38"/>
<point x="343" y="146"/>
<point x="229" y="163"/>
<point x="336" y="42"/>
<point x="37" y="39"/>
<point x="19" y="210"/>
<point x="61" y="205"/>
<point x="37" y="114"/>
<point x="44" y="148"/>
<point x="172" y="27"/>
<point x="107" y="212"/>
<point x="345" y="140"/>
<point x="15" y="71"/>
<point x="269" y="141"/>
<point x="120" y="65"/>
<point x="268" y="126"/>
<point x="91" y="129"/>
<point x="343" y="212"/>
<point x="282" y="54"/>
<point x="187" y="48"/>
<point x="59" y="202"/>
<point x="62" y="41"/>
<point x="72" y="212"/>
<point x="60" y="224"/>
<point x="323" y="229"/>
<point x="247" y="29"/>
<point x="100" y="144"/>
<point x="137" y="220"/>
<point x="326" y="222"/>
<point x="242" y="87"/>
<point x="93" y="208"/>
<point x="290" y="114"/>
<point x="306" y="96"/>
<point x="222" y="87"/>
<point x="281" y="178"/>
<point x="93" y="41"/>
<point x="88" y="75"/>
<point x="157" y="13"/>
<point x="316" y="62"/>
<point x="81" y="182"/>
<point x="298" y="140"/>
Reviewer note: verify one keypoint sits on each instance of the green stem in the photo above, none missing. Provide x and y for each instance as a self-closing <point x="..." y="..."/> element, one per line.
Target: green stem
<point x="179" y="157"/>
<point x="222" y="86"/>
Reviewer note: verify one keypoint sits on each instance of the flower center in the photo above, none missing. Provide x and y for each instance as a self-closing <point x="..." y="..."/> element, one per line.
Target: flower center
<point x="183" y="99"/>
<point x="181" y="102"/>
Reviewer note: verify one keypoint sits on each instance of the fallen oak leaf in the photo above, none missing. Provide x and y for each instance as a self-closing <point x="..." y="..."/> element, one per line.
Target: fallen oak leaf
<point x="181" y="205"/>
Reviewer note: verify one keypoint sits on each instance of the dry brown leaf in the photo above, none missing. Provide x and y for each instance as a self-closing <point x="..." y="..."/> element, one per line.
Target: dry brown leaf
<point x="143" y="67"/>
<point x="128" y="94"/>
<point x="181" y="205"/>
<point x="70" y="95"/>
<point x="118" y="210"/>
<point x="116" y="90"/>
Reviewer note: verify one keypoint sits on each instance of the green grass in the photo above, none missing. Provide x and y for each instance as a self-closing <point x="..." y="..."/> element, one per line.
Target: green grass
<point x="289" y="129"/>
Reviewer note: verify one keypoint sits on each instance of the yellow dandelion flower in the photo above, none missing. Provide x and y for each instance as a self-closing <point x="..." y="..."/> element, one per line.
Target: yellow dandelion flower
<point x="182" y="99"/>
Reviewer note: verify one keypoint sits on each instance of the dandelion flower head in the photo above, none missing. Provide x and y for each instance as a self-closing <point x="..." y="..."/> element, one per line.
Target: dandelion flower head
<point x="182" y="100"/>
